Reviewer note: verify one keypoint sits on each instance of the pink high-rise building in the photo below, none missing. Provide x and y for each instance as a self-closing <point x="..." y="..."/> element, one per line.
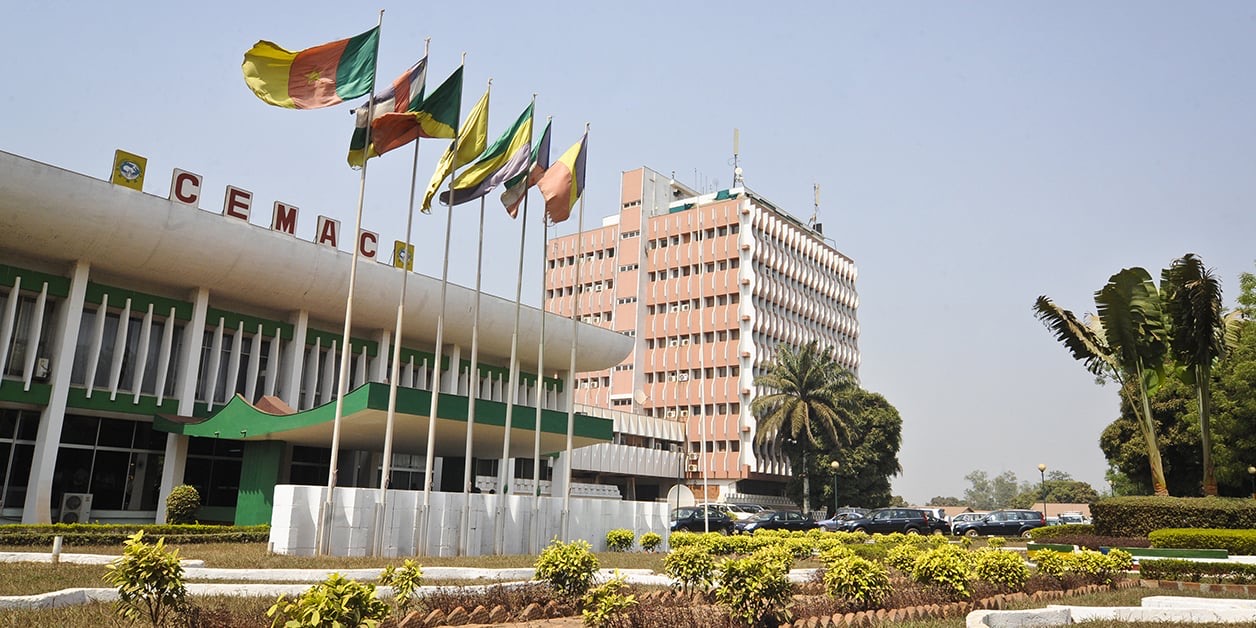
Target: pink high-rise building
<point x="708" y="284"/>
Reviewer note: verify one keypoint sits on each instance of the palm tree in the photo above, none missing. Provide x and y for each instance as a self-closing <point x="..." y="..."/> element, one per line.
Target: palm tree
<point x="1127" y="342"/>
<point x="1192" y="300"/>
<point x="810" y="390"/>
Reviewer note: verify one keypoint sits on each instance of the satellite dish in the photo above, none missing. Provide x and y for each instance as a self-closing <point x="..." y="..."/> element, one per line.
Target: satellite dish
<point x="640" y="397"/>
<point x="680" y="496"/>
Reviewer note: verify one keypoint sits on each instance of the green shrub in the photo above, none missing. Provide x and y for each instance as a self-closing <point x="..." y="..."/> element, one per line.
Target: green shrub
<point x="1121" y="560"/>
<point x="1096" y="565"/>
<point x="1006" y="570"/>
<point x="117" y="534"/>
<point x="1240" y="542"/>
<point x="337" y="601"/>
<point x="1194" y="571"/>
<point x="871" y="552"/>
<point x="781" y="554"/>
<point x="691" y="566"/>
<point x="650" y="541"/>
<point x="755" y="589"/>
<point x="608" y="604"/>
<point x="1138" y="516"/>
<point x="568" y="568"/>
<point x="946" y="568"/>
<point x="835" y="553"/>
<point x="995" y="542"/>
<point x="903" y="556"/>
<point x="858" y="582"/>
<point x="1052" y="563"/>
<point x="182" y="504"/>
<point x="149" y="581"/>
<point x="620" y="540"/>
<point x="405" y="582"/>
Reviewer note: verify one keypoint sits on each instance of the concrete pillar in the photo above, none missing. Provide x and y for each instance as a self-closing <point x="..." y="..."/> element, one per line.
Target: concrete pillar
<point x="294" y="361"/>
<point x="379" y="370"/>
<point x="186" y="379"/>
<point x="37" y="507"/>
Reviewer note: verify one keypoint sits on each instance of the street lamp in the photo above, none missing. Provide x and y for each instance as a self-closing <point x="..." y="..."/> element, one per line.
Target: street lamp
<point x="1251" y="472"/>
<point x="1042" y="472"/>
<point x="834" y="465"/>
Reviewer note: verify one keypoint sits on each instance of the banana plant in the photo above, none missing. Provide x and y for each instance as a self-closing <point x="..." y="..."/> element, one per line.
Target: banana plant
<point x="1126" y="342"/>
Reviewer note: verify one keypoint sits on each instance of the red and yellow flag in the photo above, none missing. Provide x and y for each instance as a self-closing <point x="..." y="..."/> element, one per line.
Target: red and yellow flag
<point x="322" y="76"/>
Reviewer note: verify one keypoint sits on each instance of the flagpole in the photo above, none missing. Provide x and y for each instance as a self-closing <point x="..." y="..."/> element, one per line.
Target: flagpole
<point x="535" y="537"/>
<point x="342" y="385"/>
<point x="571" y="370"/>
<point x="503" y="472"/>
<point x="473" y="382"/>
<point x="385" y="479"/>
<point x="702" y="417"/>
<point x="425" y="509"/>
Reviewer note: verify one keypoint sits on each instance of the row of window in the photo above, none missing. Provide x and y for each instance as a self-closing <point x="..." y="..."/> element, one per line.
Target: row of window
<point x="593" y="286"/>
<point x="692" y="374"/>
<point x="723" y="335"/>
<point x="693" y="269"/>
<point x="731" y="298"/>
<point x="686" y="238"/>
<point x="585" y="256"/>
<point x="686" y="411"/>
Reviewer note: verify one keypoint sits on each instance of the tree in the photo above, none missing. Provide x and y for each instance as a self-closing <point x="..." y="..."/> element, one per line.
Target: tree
<point x="1177" y="440"/>
<point x="1192" y="300"/>
<point x="945" y="501"/>
<point x="1004" y="488"/>
<point x="1126" y="342"/>
<point x="867" y="461"/>
<point x="811" y="393"/>
<point x="1060" y="488"/>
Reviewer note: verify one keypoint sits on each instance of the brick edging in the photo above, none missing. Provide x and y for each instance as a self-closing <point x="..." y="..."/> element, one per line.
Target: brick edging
<point x="1178" y="585"/>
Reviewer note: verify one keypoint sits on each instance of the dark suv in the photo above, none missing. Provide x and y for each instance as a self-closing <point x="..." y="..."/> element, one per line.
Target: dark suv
<point x="690" y="519"/>
<point x="1002" y="523"/>
<point x="889" y="520"/>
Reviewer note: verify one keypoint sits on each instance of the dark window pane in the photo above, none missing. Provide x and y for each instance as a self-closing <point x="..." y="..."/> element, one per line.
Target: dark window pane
<point x="8" y="422"/>
<point x="19" y="475"/>
<point x="79" y="430"/>
<point x="148" y="438"/>
<point x="73" y="473"/>
<point x="28" y="425"/>
<point x="311" y="454"/>
<point x="224" y="485"/>
<point x="116" y="433"/>
<point x="198" y="446"/>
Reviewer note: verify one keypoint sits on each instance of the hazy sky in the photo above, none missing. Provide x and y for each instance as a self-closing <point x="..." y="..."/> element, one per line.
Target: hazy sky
<point x="971" y="156"/>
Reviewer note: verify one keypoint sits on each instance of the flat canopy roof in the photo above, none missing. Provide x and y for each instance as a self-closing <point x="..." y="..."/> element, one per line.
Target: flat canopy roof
<point x="364" y="420"/>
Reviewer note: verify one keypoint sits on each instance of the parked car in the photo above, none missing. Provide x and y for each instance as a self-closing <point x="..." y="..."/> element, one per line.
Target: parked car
<point x="843" y="514"/>
<point x="889" y="520"/>
<point x="776" y="520"/>
<point x="1002" y="523"/>
<point x="690" y="519"/>
<point x="735" y="511"/>
<point x="937" y="525"/>
<point x="965" y="517"/>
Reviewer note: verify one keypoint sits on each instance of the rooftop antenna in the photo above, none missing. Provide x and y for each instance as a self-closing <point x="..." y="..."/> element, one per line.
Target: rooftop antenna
<point x="815" y="211"/>
<point x="737" y="180"/>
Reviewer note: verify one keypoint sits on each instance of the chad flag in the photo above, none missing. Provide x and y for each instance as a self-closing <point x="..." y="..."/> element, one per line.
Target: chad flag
<point x="313" y="78"/>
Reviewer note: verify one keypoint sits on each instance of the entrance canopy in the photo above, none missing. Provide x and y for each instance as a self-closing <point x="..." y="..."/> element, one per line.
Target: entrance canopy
<point x="364" y="420"/>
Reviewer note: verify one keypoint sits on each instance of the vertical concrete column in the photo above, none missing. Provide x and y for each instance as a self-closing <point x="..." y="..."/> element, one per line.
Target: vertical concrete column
<point x="38" y="506"/>
<point x="186" y="379"/>
<point x="454" y="377"/>
<point x="379" y="372"/>
<point x="294" y="361"/>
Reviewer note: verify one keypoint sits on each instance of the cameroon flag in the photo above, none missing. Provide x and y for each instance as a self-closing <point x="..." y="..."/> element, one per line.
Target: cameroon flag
<point x="322" y="76"/>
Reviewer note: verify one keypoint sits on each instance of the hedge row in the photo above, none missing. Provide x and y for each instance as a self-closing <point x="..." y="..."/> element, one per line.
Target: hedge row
<point x="1194" y="571"/>
<point x="1138" y="516"/>
<point x="1068" y="529"/>
<point x="1241" y="542"/>
<point x="110" y="534"/>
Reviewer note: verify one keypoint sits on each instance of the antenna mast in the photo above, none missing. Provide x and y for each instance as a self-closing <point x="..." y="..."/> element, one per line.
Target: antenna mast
<point x="737" y="180"/>
<point x="815" y="211"/>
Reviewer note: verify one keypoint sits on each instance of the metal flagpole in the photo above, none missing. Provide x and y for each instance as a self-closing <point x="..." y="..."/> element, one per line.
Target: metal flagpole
<point x="535" y="538"/>
<point x="426" y="509"/>
<point x="512" y="389"/>
<point x="473" y="386"/>
<point x="571" y="371"/>
<point x="325" y="514"/>
<point x="385" y="478"/>
<point x="702" y="416"/>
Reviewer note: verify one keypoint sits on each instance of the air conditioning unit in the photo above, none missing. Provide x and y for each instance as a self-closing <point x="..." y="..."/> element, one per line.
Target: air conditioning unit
<point x="693" y="468"/>
<point x="684" y="377"/>
<point x="693" y="457"/>
<point x="41" y="369"/>
<point x="75" y="508"/>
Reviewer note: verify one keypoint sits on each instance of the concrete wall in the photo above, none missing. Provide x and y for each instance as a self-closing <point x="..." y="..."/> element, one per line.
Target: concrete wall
<point x="530" y="522"/>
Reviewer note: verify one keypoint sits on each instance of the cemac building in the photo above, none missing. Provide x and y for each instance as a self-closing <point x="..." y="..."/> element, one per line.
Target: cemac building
<point x="147" y="342"/>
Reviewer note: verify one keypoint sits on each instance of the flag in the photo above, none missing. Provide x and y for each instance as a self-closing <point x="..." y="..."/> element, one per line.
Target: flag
<point x="405" y="94"/>
<point x="403" y="255"/>
<point x="316" y="77"/>
<point x="564" y="181"/>
<point x="436" y="117"/>
<point x="503" y="159"/>
<point x="517" y="186"/>
<point x="472" y="138"/>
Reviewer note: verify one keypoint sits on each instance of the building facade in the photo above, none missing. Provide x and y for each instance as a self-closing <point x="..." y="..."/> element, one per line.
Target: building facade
<point x="707" y="285"/>
<point x="127" y="319"/>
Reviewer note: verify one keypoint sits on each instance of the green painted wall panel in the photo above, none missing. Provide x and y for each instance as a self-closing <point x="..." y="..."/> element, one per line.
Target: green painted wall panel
<point x="259" y="473"/>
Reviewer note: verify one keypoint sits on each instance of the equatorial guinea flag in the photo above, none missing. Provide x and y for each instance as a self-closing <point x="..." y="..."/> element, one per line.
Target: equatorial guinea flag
<point x="405" y="94"/>
<point x="322" y="76"/>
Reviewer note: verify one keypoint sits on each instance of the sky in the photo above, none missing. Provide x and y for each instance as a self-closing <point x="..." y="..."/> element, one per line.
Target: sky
<point x="970" y="156"/>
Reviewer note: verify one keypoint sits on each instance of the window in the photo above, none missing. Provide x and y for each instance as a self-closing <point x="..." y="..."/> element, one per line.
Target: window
<point x="17" y="454"/>
<point x="117" y="461"/>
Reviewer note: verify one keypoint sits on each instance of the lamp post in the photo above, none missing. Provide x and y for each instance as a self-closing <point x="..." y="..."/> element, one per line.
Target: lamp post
<point x="1251" y="472"/>
<point x="834" y="465"/>
<point x="1042" y="472"/>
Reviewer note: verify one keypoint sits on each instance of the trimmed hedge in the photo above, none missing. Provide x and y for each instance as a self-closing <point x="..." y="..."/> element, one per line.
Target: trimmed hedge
<point x="1194" y="571"/>
<point x="1240" y="542"/>
<point x="111" y="534"/>
<point x="1138" y="516"/>
<point x="1049" y="533"/>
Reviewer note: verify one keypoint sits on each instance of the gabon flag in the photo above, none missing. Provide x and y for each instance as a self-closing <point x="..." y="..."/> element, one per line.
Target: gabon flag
<point x="322" y="76"/>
